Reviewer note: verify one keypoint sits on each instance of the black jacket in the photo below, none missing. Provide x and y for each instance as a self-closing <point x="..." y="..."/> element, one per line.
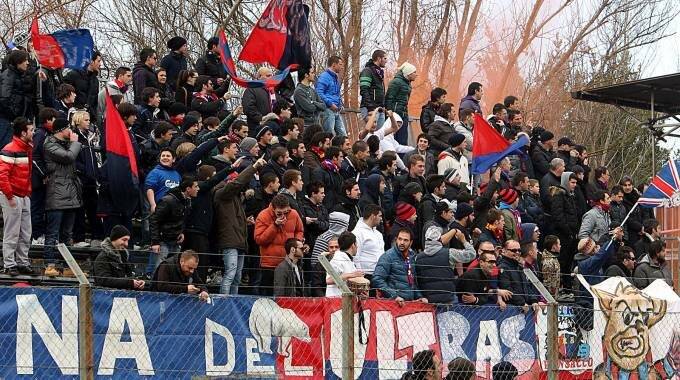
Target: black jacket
<point x="513" y="279"/>
<point x="256" y="104"/>
<point x="167" y="222"/>
<point x="275" y="168"/>
<point x="435" y="277"/>
<point x="200" y="217"/>
<point x="86" y="84"/>
<point x="112" y="269"/>
<point x="372" y="86"/>
<point x="209" y="64"/>
<point x="564" y="215"/>
<point x="351" y="208"/>
<point x="475" y="282"/>
<point x="87" y="166"/>
<point x="15" y="94"/>
<point x="169" y="278"/>
<point x="333" y="186"/>
<point x="541" y="161"/>
<point x="429" y="111"/>
<point x="314" y="229"/>
<point x="143" y="77"/>
<point x="173" y="63"/>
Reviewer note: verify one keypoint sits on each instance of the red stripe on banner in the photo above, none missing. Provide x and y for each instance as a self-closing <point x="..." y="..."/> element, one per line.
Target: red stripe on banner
<point x="663" y="186"/>
<point x="47" y="50"/>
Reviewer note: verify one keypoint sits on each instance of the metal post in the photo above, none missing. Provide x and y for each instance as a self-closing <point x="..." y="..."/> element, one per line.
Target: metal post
<point x="85" y="320"/>
<point x="347" y="320"/>
<point x="551" y="355"/>
<point x="85" y="333"/>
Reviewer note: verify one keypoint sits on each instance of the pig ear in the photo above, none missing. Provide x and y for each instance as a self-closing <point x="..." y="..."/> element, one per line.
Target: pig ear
<point x="658" y="311"/>
<point x="605" y="299"/>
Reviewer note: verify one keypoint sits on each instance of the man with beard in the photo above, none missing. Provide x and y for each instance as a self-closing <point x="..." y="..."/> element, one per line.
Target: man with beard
<point x="394" y="274"/>
<point x="624" y="264"/>
<point x="349" y="202"/>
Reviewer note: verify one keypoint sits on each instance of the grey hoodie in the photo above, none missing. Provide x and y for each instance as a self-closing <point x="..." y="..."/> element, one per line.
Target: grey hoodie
<point x="433" y="245"/>
<point x="564" y="181"/>
<point x="337" y="224"/>
<point x="646" y="272"/>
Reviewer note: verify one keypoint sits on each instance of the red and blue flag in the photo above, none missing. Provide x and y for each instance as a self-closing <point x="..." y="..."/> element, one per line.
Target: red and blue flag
<point x="230" y="67"/>
<point x="121" y="161"/>
<point x="281" y="36"/>
<point x="664" y="190"/>
<point x="70" y="48"/>
<point x="489" y="147"/>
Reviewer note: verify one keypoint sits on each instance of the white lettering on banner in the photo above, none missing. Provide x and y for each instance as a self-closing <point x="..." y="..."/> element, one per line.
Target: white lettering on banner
<point x="291" y="370"/>
<point x="252" y="356"/>
<point x="63" y="350"/>
<point x="389" y="367"/>
<point x="211" y="369"/>
<point x="491" y="351"/>
<point x="124" y="311"/>
<point x="521" y="354"/>
<point x="453" y="329"/>
<point x="335" y="354"/>
<point x="416" y="330"/>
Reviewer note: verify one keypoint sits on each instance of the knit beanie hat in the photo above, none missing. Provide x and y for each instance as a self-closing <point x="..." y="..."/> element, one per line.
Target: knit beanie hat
<point x="405" y="211"/>
<point x="189" y="121"/>
<point x="407" y="69"/>
<point x="247" y="144"/>
<point x="177" y="108"/>
<point x="456" y="139"/>
<point x="463" y="210"/>
<point x="262" y="131"/>
<point x="59" y="125"/>
<point x="118" y="231"/>
<point x="508" y="196"/>
<point x="441" y="207"/>
<point x="176" y="43"/>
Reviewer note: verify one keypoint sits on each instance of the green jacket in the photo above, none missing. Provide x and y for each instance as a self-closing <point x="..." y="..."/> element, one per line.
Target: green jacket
<point x="372" y="86"/>
<point x="398" y="92"/>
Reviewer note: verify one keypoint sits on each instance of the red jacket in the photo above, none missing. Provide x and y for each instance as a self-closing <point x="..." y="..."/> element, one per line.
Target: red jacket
<point x="16" y="160"/>
<point x="272" y="238"/>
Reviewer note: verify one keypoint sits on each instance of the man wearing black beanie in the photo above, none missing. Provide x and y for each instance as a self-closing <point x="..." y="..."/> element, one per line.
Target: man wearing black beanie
<point x="111" y="267"/>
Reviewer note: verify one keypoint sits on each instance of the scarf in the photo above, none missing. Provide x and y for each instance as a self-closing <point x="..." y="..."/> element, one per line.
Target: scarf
<point x="234" y="137"/>
<point x="497" y="233"/>
<point x="604" y="207"/>
<point x="121" y="86"/>
<point x="319" y="152"/>
<point x="329" y="166"/>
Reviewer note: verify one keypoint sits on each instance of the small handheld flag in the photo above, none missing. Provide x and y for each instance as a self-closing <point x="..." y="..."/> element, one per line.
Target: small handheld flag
<point x="664" y="190"/>
<point x="489" y="147"/>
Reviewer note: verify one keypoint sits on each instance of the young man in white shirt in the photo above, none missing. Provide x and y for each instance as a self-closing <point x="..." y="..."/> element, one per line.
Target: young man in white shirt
<point x="370" y="242"/>
<point x="342" y="263"/>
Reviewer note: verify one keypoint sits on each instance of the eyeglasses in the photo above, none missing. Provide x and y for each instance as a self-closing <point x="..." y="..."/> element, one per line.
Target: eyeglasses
<point x="515" y="250"/>
<point x="631" y="258"/>
<point x="282" y="213"/>
<point x="490" y="261"/>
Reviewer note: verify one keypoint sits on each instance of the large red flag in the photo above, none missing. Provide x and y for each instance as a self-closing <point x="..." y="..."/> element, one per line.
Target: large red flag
<point x="267" y="41"/>
<point x="47" y="49"/>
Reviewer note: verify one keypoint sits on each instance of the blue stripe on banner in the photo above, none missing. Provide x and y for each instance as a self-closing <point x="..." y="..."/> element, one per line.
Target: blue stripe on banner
<point x="77" y="45"/>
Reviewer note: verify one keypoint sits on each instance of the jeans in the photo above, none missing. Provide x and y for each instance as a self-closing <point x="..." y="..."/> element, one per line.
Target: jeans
<point x="38" y="211"/>
<point x="16" y="231"/>
<point x="59" y="229"/>
<point x="233" y="265"/>
<point x="379" y="121"/>
<point x="156" y="258"/>
<point x="332" y="122"/>
<point x="402" y="134"/>
<point x="5" y="131"/>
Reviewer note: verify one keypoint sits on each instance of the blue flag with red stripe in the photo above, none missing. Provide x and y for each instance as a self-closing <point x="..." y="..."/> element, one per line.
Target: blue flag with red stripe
<point x="70" y="48"/>
<point x="489" y="147"/>
<point x="121" y="161"/>
<point x="230" y="67"/>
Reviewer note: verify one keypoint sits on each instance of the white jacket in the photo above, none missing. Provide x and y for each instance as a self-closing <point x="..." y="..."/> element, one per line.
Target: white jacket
<point x="370" y="246"/>
<point x="342" y="264"/>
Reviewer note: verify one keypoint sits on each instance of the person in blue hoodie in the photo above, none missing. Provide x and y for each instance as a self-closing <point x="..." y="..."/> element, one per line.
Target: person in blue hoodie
<point x="328" y="89"/>
<point x="471" y="101"/>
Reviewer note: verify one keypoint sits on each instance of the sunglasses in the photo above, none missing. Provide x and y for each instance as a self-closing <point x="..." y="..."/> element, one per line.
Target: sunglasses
<point x="515" y="250"/>
<point x="490" y="261"/>
<point x="487" y="251"/>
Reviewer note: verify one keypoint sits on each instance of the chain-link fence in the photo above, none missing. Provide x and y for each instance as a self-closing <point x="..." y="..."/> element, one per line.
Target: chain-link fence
<point x="92" y="332"/>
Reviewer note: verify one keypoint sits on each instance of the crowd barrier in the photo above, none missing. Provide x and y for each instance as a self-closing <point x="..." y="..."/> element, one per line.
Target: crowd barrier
<point x="156" y="335"/>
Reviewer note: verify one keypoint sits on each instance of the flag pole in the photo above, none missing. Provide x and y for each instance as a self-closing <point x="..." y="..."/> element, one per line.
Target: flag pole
<point x="623" y="222"/>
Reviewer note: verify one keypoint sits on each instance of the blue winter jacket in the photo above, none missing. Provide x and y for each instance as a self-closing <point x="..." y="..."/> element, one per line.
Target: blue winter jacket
<point x="328" y="88"/>
<point x="390" y="276"/>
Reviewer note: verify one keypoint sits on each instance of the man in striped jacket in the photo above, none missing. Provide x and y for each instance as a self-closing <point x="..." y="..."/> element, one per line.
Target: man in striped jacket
<point x="15" y="193"/>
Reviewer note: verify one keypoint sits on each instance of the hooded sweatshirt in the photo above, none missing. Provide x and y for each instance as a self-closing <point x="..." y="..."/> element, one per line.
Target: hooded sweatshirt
<point x="337" y="224"/>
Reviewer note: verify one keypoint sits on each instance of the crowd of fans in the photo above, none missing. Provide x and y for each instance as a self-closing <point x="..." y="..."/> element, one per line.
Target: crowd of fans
<point x="255" y="195"/>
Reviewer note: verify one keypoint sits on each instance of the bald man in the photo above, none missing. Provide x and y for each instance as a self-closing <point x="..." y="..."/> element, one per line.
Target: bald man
<point x="257" y="102"/>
